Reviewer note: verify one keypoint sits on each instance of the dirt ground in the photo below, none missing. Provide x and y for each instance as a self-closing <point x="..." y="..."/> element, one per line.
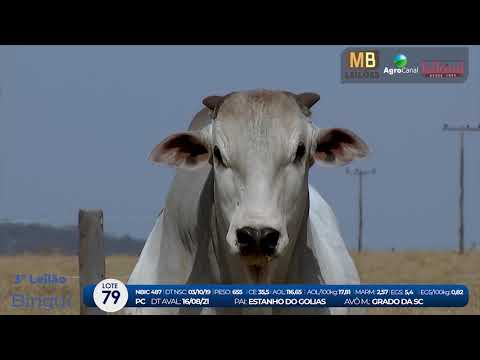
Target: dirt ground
<point x="374" y="267"/>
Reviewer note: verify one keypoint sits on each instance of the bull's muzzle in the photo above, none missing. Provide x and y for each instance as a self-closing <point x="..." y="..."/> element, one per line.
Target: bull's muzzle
<point x="257" y="242"/>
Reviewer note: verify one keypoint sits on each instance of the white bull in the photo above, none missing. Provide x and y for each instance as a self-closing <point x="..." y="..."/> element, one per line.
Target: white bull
<point x="240" y="209"/>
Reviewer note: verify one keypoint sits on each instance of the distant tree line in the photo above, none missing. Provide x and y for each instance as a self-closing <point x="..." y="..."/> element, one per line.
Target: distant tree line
<point x="17" y="238"/>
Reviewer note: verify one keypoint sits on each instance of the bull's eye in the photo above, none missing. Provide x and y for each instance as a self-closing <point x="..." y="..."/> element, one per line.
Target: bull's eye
<point x="300" y="152"/>
<point x="218" y="156"/>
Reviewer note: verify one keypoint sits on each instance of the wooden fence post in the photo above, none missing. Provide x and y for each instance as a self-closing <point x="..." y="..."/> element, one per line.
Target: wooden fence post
<point x="91" y="257"/>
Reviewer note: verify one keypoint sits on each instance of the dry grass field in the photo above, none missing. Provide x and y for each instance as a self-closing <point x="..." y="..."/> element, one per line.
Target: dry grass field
<point x="374" y="267"/>
<point x="423" y="268"/>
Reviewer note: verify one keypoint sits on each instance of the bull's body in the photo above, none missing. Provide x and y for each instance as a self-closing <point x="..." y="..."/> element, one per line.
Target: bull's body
<point x="183" y="245"/>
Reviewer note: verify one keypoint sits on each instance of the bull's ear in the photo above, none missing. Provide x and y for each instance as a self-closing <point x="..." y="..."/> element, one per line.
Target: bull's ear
<point x="334" y="147"/>
<point x="188" y="150"/>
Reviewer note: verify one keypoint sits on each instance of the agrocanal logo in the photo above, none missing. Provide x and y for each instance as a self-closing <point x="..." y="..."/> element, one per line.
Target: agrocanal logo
<point x="400" y="62"/>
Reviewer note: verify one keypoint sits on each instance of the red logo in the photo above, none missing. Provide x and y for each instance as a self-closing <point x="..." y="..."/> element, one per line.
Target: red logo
<point x="443" y="68"/>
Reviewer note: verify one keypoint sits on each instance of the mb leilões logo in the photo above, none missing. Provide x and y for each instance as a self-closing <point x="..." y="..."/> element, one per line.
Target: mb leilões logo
<point x="400" y="62"/>
<point x="361" y="64"/>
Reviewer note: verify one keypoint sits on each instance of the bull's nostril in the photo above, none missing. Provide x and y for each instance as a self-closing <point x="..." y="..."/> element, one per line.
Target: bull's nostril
<point x="247" y="236"/>
<point x="269" y="240"/>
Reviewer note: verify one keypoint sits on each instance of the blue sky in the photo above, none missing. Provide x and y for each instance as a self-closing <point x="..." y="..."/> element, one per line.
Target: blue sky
<point x="77" y="124"/>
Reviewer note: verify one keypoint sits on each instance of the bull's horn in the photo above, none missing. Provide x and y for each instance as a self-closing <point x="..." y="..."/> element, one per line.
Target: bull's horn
<point x="308" y="99"/>
<point x="212" y="102"/>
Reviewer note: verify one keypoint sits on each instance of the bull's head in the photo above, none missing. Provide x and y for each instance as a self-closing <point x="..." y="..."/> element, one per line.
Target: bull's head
<point x="261" y="145"/>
